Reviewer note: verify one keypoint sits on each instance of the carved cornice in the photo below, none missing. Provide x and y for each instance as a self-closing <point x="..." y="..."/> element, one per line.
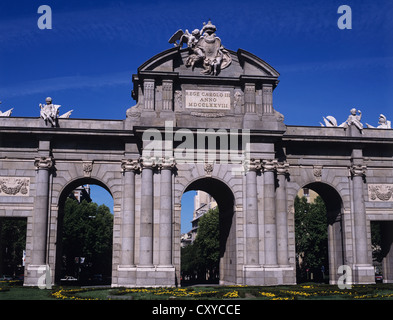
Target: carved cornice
<point x="43" y="163"/>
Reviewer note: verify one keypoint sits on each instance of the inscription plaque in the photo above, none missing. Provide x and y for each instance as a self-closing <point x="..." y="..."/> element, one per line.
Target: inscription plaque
<point x="206" y="99"/>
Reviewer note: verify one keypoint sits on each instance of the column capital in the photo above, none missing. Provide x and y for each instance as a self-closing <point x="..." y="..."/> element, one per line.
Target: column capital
<point x="147" y="162"/>
<point x="253" y="165"/>
<point x="282" y="168"/>
<point x="43" y="163"/>
<point x="167" y="163"/>
<point x="358" y="170"/>
<point x="129" y="165"/>
<point x="270" y="165"/>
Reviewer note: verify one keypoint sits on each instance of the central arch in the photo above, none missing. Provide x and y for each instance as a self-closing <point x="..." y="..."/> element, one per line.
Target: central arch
<point x="226" y="205"/>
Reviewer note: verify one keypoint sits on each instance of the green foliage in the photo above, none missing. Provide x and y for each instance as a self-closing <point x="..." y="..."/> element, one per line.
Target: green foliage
<point x="87" y="232"/>
<point x="208" y="238"/>
<point x="203" y="256"/>
<point x="13" y="242"/>
<point x="311" y="236"/>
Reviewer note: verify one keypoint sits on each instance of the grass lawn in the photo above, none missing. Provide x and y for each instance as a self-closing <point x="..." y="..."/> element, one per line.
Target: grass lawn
<point x="310" y="291"/>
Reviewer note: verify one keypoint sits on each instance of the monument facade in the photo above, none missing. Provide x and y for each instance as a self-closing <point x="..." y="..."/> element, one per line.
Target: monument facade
<point x="204" y="120"/>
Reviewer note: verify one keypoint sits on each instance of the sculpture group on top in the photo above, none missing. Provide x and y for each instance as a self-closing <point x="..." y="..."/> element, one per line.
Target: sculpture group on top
<point x="205" y="49"/>
<point x="354" y="119"/>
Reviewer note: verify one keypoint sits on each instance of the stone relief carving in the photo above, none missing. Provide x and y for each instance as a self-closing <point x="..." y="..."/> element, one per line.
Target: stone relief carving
<point x="208" y="167"/>
<point x="14" y="186"/>
<point x="383" y="123"/>
<point x="358" y="170"/>
<point x="317" y="172"/>
<point x="134" y="112"/>
<point x="178" y="99"/>
<point x="238" y="101"/>
<point x="87" y="168"/>
<point x="43" y="163"/>
<point x="205" y="49"/>
<point x="380" y="192"/>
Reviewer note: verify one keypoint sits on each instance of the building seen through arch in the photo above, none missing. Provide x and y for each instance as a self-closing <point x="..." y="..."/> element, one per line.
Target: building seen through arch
<point x="203" y="202"/>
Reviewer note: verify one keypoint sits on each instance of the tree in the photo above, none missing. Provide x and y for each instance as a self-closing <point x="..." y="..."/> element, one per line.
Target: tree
<point x="202" y="257"/>
<point x="311" y="237"/>
<point x="12" y="244"/>
<point x="87" y="233"/>
<point x="208" y="242"/>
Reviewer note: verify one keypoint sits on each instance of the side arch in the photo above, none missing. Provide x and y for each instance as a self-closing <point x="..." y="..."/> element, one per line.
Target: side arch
<point x="71" y="185"/>
<point x="62" y="197"/>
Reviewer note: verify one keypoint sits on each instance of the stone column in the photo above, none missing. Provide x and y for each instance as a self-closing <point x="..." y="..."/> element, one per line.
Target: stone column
<point x="146" y="222"/>
<point x="363" y="269"/>
<point x="269" y="167"/>
<point x="358" y="172"/>
<point x="252" y="235"/>
<point x="41" y="206"/>
<point x="129" y="168"/>
<point x="281" y="215"/>
<point x="166" y="212"/>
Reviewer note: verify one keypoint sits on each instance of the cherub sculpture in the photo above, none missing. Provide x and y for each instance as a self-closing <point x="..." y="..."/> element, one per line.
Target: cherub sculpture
<point x="49" y="111"/>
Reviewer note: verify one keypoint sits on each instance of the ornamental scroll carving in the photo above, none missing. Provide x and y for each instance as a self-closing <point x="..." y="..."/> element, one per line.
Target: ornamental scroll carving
<point x="14" y="186"/>
<point x="380" y="192"/>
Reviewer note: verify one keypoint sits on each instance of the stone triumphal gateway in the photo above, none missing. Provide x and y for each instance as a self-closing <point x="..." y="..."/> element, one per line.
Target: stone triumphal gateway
<point x="204" y="120"/>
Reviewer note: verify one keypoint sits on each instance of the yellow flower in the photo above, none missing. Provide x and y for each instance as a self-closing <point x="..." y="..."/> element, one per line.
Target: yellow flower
<point x="231" y="294"/>
<point x="267" y="294"/>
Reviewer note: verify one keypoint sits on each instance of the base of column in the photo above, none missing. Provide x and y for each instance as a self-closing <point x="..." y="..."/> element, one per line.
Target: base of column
<point x="145" y="276"/>
<point x="363" y="274"/>
<point x="269" y="275"/>
<point x="253" y="275"/>
<point x="38" y="276"/>
<point x="278" y="275"/>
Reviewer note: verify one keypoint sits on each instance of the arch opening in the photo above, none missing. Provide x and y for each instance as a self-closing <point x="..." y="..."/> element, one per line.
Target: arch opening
<point x="224" y="197"/>
<point x="84" y="234"/>
<point x="328" y="217"/>
<point x="12" y="248"/>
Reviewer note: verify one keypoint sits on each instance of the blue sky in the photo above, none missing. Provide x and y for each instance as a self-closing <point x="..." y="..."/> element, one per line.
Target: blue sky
<point x="86" y="61"/>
